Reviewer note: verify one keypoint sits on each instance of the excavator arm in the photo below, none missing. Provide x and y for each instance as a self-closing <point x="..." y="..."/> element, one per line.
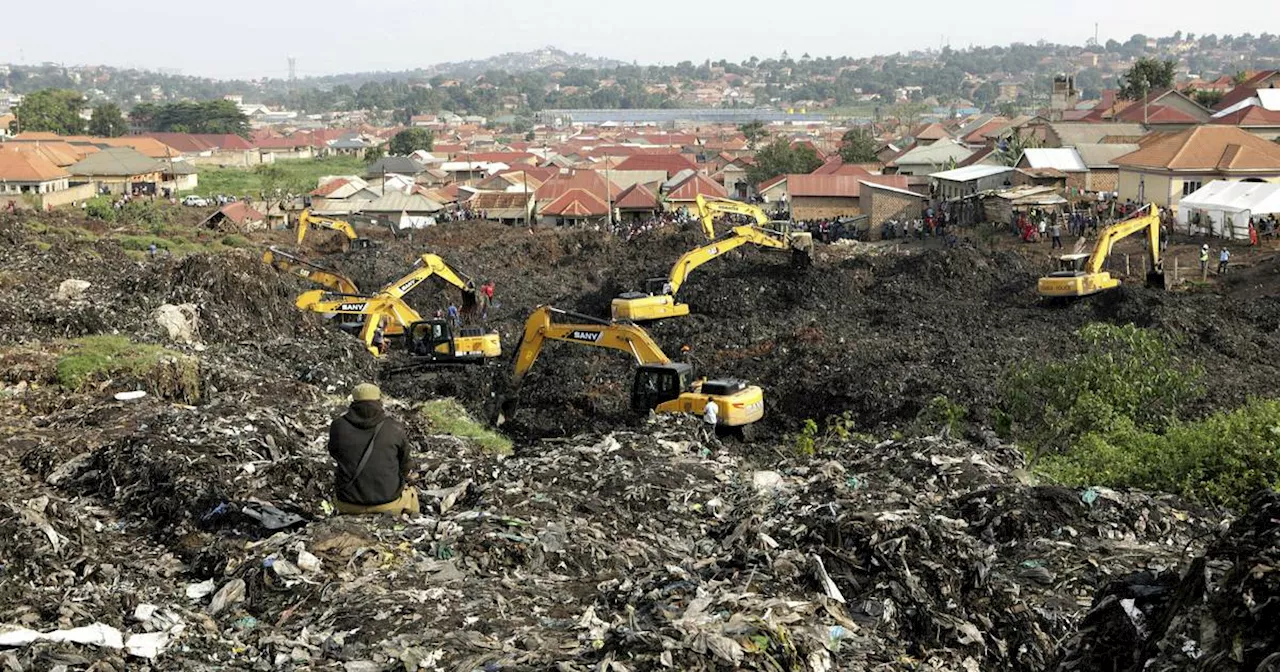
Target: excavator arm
<point x="1150" y="220"/>
<point x="1082" y="275"/>
<point x="374" y="309"/>
<point x="708" y="208"/>
<point x="539" y="328"/>
<point x="428" y="265"/>
<point x="304" y="269"/>
<point x="307" y="220"/>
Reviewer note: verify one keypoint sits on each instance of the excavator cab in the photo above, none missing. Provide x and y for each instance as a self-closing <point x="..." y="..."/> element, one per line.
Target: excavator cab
<point x="435" y="341"/>
<point x="656" y="384"/>
<point x="1070" y="265"/>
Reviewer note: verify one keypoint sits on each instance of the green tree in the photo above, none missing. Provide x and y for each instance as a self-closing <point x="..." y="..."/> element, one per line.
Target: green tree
<point x="1147" y="74"/>
<point x="755" y="132"/>
<point x="411" y="140"/>
<point x="372" y="154"/>
<point x="1010" y="149"/>
<point x="1206" y="98"/>
<point x="51" y="111"/>
<point x="107" y="121"/>
<point x="858" y="146"/>
<point x="780" y="157"/>
<point x="211" y="116"/>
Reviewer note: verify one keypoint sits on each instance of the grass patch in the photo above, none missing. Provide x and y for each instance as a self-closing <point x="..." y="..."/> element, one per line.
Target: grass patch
<point x="447" y="416"/>
<point x="296" y="176"/>
<point x="103" y="358"/>
<point x="37" y="227"/>
<point x="236" y="241"/>
<point x="174" y="245"/>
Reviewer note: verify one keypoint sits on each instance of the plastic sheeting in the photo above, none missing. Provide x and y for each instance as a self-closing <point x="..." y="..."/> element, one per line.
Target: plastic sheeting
<point x="1223" y="208"/>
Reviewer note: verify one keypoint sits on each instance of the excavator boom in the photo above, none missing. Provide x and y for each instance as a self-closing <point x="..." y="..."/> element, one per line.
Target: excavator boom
<point x="304" y="269"/>
<point x="306" y="220"/>
<point x="660" y="384"/>
<point x="1084" y="275"/>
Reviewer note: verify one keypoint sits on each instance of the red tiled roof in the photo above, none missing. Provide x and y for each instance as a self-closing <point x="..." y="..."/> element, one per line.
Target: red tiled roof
<point x="836" y="166"/>
<point x="329" y="187"/>
<point x="539" y="173"/>
<point x="589" y="180"/>
<point x="20" y="166"/>
<point x="696" y="184"/>
<point x="841" y="186"/>
<point x="1156" y="114"/>
<point x="934" y="131"/>
<point x="668" y="163"/>
<point x="1254" y="115"/>
<point x="577" y="203"/>
<point x="448" y="148"/>
<point x="1210" y="147"/>
<point x="508" y="158"/>
<point x="241" y="213"/>
<point x="979" y="134"/>
<point x="637" y="197"/>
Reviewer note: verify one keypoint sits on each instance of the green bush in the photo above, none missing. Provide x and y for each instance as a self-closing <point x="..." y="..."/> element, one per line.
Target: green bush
<point x="234" y="240"/>
<point x="942" y="414"/>
<point x="1124" y="374"/>
<point x="1222" y="459"/>
<point x="100" y="207"/>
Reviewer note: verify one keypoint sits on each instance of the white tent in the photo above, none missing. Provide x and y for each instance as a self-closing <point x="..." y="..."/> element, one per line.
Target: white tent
<point x="1223" y="208"/>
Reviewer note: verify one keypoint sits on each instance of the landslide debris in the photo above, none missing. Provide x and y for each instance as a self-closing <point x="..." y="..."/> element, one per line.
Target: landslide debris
<point x="194" y="534"/>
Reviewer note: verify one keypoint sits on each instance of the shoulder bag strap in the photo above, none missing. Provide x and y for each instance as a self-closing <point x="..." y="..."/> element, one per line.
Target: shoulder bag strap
<point x="364" y="459"/>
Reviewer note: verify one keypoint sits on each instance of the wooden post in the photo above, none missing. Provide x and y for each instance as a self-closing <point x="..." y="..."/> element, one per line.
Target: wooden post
<point x="1175" y="270"/>
<point x="1126" y="265"/>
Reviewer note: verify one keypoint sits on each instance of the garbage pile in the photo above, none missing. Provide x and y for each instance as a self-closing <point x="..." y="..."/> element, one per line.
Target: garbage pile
<point x="1218" y="613"/>
<point x="633" y="550"/>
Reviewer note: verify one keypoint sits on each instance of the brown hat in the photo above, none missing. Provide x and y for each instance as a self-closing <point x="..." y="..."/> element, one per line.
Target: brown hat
<point x="366" y="392"/>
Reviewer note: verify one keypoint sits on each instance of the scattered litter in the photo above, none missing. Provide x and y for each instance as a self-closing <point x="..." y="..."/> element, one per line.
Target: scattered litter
<point x="130" y="395"/>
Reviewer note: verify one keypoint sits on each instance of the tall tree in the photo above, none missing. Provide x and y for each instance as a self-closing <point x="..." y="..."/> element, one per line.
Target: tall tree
<point x="211" y="116"/>
<point x="858" y="146"/>
<point x="754" y="132"/>
<point x="1009" y="150"/>
<point x="51" y="111"/>
<point x="1146" y="75"/>
<point x="107" y="121"/>
<point x="411" y="140"/>
<point x="781" y="158"/>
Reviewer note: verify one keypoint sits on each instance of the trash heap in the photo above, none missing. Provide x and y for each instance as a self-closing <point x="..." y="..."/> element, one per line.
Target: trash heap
<point x="627" y="550"/>
<point x="1219" y="613"/>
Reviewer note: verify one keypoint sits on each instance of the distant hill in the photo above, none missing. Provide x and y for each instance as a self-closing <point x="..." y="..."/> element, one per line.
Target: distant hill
<point x="513" y="62"/>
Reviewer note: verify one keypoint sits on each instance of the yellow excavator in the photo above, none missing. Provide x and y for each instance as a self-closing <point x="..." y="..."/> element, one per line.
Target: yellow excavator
<point x="306" y="221"/>
<point x="660" y="384"/>
<point x="1081" y="274"/>
<point x="325" y="277"/>
<point x="658" y="300"/>
<point x="386" y="314"/>
<point x="800" y="243"/>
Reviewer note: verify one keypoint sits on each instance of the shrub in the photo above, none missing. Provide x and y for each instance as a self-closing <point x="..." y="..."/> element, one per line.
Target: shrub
<point x="1124" y="374"/>
<point x="942" y="414"/>
<point x="100" y="207"/>
<point x="1222" y="459"/>
<point x="234" y="240"/>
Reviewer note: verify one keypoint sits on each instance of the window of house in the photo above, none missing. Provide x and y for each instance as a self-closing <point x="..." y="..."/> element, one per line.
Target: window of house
<point x="1190" y="186"/>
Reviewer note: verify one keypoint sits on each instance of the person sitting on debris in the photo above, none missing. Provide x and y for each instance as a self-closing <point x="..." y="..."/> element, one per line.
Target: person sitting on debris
<point x="372" y="452"/>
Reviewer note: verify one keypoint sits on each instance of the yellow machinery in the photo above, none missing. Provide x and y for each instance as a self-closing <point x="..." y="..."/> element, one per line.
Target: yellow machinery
<point x="1082" y="274"/>
<point x="302" y="268"/>
<point x="658" y="301"/>
<point x="660" y="384"/>
<point x="306" y="220"/>
<point x="386" y="311"/>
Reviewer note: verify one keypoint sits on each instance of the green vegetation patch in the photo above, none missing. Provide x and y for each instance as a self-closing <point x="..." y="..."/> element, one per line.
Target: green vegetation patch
<point x="98" y="359"/>
<point x="447" y="416"/>
<point x="1109" y="416"/>
<point x="291" y="176"/>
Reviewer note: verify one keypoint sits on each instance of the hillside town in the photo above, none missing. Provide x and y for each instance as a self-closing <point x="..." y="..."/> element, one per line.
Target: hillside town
<point x="950" y="360"/>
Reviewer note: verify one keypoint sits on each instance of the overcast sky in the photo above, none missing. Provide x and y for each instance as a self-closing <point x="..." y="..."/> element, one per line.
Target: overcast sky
<point x="254" y="38"/>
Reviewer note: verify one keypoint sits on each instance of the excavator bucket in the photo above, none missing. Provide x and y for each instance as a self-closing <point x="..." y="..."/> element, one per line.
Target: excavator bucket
<point x="1157" y="280"/>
